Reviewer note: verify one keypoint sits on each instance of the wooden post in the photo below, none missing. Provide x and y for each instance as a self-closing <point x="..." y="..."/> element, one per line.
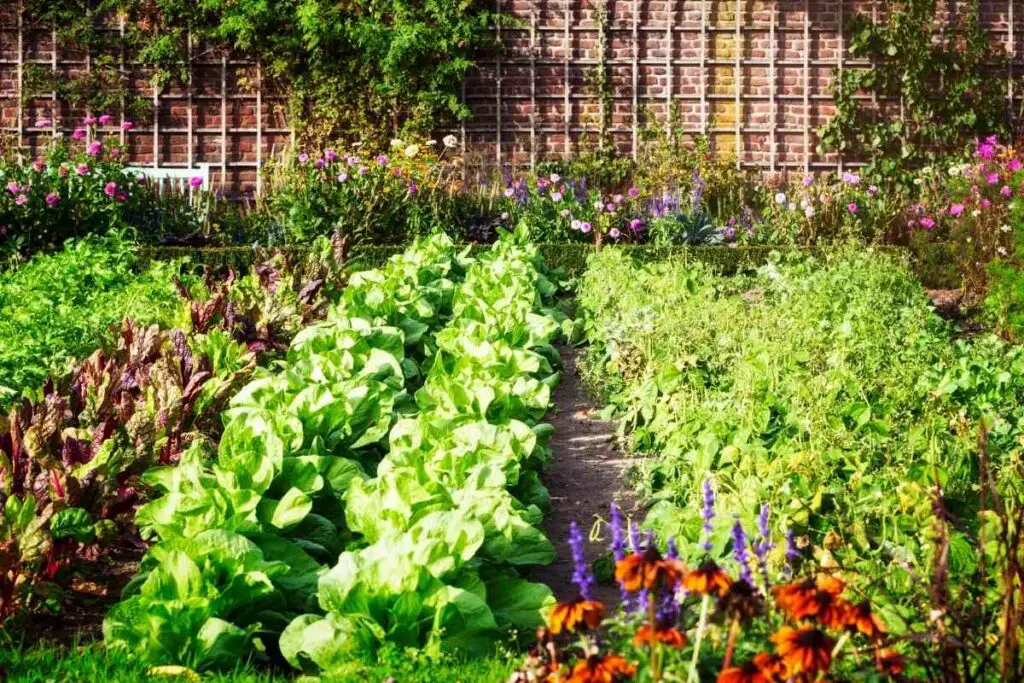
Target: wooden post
<point x="636" y="79"/>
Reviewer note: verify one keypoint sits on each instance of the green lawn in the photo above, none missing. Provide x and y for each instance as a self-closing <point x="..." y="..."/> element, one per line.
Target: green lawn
<point x="92" y="662"/>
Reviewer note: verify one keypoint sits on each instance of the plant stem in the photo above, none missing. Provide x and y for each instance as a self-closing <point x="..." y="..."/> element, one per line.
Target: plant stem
<point x="704" y="604"/>
<point x="652" y="618"/>
<point x="730" y="646"/>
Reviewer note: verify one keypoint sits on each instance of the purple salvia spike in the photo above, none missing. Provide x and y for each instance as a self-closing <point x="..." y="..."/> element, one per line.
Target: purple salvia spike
<point x="581" y="571"/>
<point x="739" y="552"/>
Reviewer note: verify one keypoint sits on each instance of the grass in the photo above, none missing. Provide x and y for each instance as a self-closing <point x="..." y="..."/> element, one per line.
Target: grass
<point x="93" y="662"/>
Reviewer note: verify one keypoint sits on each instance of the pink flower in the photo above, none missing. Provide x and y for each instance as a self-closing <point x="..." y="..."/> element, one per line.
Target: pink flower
<point x="618" y="199"/>
<point x="633" y="192"/>
<point x="851" y="178"/>
<point x="1006" y="191"/>
<point x="78" y="134"/>
<point x="956" y="209"/>
<point x="1015" y="164"/>
<point x="21" y="200"/>
<point x="808" y="181"/>
<point x="52" y="199"/>
<point x="110" y="189"/>
<point x="320" y="163"/>
<point x="95" y="148"/>
<point x="636" y="224"/>
<point x="82" y="169"/>
<point x="115" y="153"/>
<point x="985" y="203"/>
<point x="44" y="123"/>
<point x="127" y="125"/>
<point x="196" y="182"/>
<point x="342" y="177"/>
<point x="992" y="178"/>
<point x="381" y="159"/>
<point x="89" y="120"/>
<point x="120" y="196"/>
<point x="610" y="208"/>
<point x="585" y="227"/>
<point x="852" y="207"/>
<point x="927" y="223"/>
<point x="39" y="166"/>
<point x="13" y="188"/>
<point x="614" y="233"/>
<point x="873" y="190"/>
<point x="556" y="196"/>
<point x="303" y="158"/>
<point x="105" y="119"/>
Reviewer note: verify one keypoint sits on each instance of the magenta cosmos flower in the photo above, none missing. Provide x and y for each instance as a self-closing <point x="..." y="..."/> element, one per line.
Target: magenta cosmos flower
<point x="82" y="169"/>
<point x="110" y="189"/>
<point x="196" y="182"/>
<point x="78" y="134"/>
<point x="105" y="119"/>
<point x="852" y="207"/>
<point x="95" y="148"/>
<point x="127" y="125"/>
<point x="52" y="199"/>
<point x="956" y="209"/>
<point x="21" y="200"/>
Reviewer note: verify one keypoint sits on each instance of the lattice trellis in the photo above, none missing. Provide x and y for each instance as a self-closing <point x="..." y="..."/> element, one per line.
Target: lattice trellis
<point x="752" y="75"/>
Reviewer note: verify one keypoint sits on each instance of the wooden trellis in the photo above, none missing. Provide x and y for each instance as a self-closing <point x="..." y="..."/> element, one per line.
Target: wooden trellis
<point x="231" y="164"/>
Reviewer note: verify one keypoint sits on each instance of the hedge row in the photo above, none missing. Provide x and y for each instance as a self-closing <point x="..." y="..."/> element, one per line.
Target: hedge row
<point x="933" y="264"/>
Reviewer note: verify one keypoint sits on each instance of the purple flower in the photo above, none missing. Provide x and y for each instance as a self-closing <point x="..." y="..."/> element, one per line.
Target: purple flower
<point x="581" y="572"/>
<point x="556" y="196"/>
<point x="320" y="163"/>
<point x="762" y="548"/>
<point x="808" y="181"/>
<point x="851" y="178"/>
<point x="739" y="552"/>
<point x="342" y="177"/>
<point x="105" y="119"/>
<point x="614" y="233"/>
<point x="610" y="208"/>
<point x="78" y="134"/>
<point x="636" y="224"/>
<point x="413" y="188"/>
<point x="633" y="192"/>
<point x="873" y="190"/>
<point x="792" y="553"/>
<point x="303" y="158"/>
<point x="381" y="159"/>
<point x="707" y="513"/>
<point x="555" y="178"/>
<point x="1006" y="191"/>
<point x="21" y="200"/>
<point x="95" y="148"/>
<point x="510" y="192"/>
<point x="585" y="228"/>
<point x="927" y="223"/>
<point x="110" y="189"/>
<point x="987" y="150"/>
<point x="672" y="551"/>
<point x="82" y="169"/>
<point x="362" y="170"/>
<point x="52" y="199"/>
<point x="852" y="208"/>
<point x="956" y="209"/>
<point x="331" y="156"/>
<point x="1015" y="164"/>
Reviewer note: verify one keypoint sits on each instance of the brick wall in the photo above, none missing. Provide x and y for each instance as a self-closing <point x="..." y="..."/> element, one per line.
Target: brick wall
<point x="753" y="75"/>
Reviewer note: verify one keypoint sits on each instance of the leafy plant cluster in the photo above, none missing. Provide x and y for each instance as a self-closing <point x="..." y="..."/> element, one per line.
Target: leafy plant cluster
<point x="830" y="390"/>
<point x="937" y="90"/>
<point x="434" y="371"/>
<point x="361" y="69"/>
<point x="72" y="456"/>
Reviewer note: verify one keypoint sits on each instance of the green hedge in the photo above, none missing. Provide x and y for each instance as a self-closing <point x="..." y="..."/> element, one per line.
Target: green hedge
<point x="933" y="264"/>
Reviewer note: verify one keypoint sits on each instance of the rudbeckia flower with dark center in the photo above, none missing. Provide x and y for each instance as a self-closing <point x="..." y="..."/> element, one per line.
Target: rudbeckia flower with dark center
<point x="748" y="673"/>
<point x="567" y="616"/>
<point x="815" y="599"/>
<point x="805" y="651"/>
<point x="598" y="669"/>
<point x="861" y="618"/>
<point x="741" y="600"/>
<point x="708" y="579"/>
<point x="665" y="633"/>
<point x="890" y="662"/>
<point x="647" y="570"/>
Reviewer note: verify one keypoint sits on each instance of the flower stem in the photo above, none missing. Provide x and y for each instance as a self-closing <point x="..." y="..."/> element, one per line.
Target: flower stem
<point x="652" y="617"/>
<point x="839" y="644"/>
<point x="730" y="646"/>
<point x="701" y="624"/>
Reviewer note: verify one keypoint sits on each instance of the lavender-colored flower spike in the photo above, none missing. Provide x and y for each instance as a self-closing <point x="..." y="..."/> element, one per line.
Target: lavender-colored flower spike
<point x="581" y="571"/>
<point x="792" y="553"/>
<point x="708" y="514"/>
<point x="634" y="537"/>
<point x="739" y="552"/>
<point x="618" y="533"/>
<point x="672" y="552"/>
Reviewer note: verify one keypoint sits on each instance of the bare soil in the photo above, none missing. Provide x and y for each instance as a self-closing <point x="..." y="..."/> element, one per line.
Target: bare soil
<point x="587" y="473"/>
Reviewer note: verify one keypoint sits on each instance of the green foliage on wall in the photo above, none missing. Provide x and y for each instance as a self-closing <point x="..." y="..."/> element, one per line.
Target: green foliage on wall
<point x="368" y="69"/>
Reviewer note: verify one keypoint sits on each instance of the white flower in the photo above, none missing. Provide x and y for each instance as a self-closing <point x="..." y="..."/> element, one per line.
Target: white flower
<point x="431" y="143"/>
<point x="792" y="206"/>
<point x="396" y="143"/>
<point x="450" y="141"/>
<point x="803" y="203"/>
<point x="917" y="181"/>
<point x="809" y="212"/>
<point x="1005" y="228"/>
<point x="954" y="171"/>
<point x="1001" y="251"/>
<point x="927" y="170"/>
<point x="412" y="150"/>
<point x="780" y="198"/>
<point x="555" y="178"/>
<point x="599" y="205"/>
<point x="975" y="213"/>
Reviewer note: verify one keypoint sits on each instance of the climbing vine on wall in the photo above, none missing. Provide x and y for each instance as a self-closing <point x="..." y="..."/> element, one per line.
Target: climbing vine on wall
<point x="368" y="69"/>
<point x="935" y="78"/>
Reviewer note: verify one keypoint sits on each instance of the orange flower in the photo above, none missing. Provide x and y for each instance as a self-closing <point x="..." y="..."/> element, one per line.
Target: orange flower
<point x="804" y="651"/>
<point x="748" y="673"/>
<point x="648" y="571"/>
<point x="645" y="635"/>
<point x="862" y="619"/>
<point x="815" y="599"/>
<point x="889" y="662"/>
<point x="708" y="579"/>
<point x="597" y="669"/>
<point x="771" y="665"/>
<point x="567" y="616"/>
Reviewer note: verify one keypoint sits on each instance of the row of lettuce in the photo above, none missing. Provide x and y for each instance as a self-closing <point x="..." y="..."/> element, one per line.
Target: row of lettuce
<point x="432" y="374"/>
<point x="829" y="389"/>
<point x="73" y="448"/>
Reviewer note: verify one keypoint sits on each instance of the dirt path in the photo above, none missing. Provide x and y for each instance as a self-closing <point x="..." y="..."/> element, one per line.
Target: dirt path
<point x="586" y="474"/>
